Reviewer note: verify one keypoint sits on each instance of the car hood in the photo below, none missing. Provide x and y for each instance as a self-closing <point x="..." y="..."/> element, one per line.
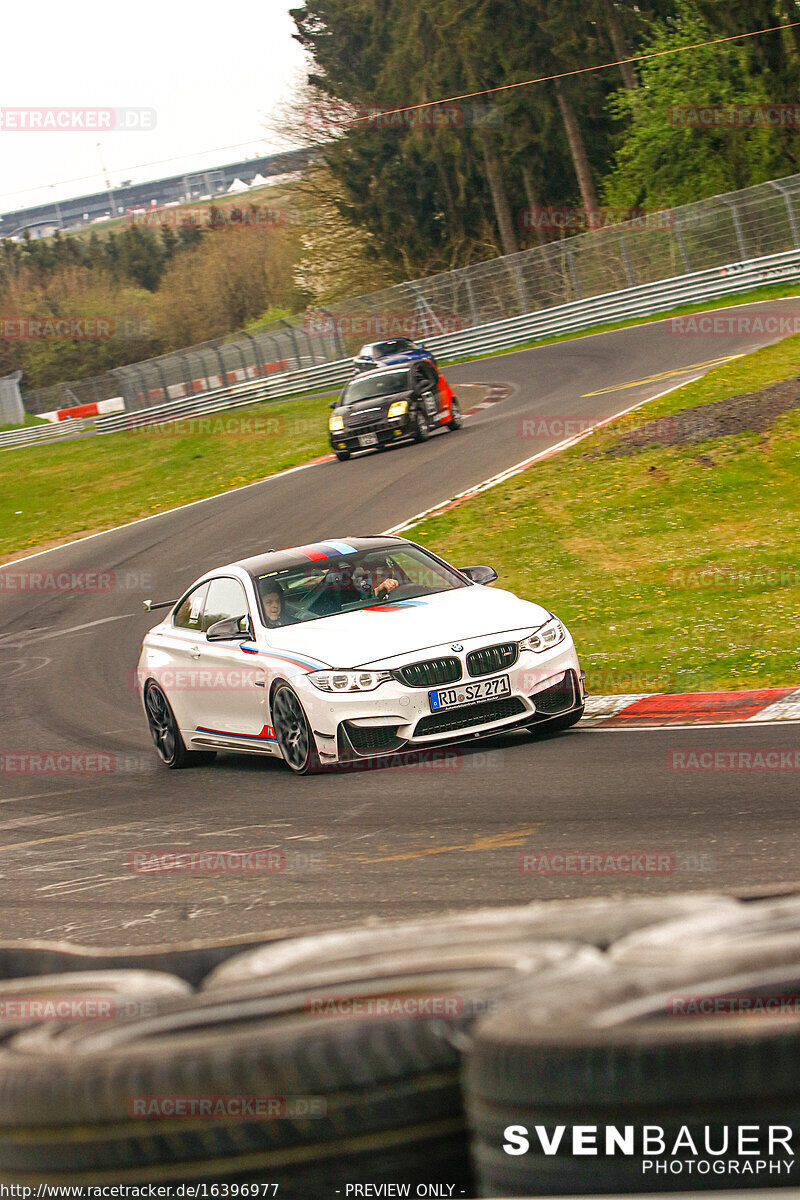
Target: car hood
<point x="387" y="634"/>
<point x="375" y="402"/>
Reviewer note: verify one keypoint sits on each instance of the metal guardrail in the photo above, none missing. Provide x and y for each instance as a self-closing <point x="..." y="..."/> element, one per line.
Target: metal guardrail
<point x="646" y="300"/>
<point x="37" y="434"/>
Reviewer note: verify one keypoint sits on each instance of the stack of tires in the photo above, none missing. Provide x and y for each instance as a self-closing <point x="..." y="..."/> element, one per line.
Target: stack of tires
<point x="405" y="1053"/>
<point x="693" y="1034"/>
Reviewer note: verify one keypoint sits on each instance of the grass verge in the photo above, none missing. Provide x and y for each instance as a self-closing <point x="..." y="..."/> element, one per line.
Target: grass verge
<point x="63" y="490"/>
<point x="675" y="567"/>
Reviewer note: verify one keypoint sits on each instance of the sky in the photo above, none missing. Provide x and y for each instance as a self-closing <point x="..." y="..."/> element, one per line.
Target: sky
<point x="211" y="70"/>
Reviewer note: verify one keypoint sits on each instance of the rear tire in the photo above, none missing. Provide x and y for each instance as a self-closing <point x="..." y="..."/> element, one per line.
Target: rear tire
<point x="166" y="735"/>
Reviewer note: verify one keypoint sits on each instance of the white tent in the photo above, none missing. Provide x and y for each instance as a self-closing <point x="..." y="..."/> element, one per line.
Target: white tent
<point x="259" y="181"/>
<point x="236" y="187"/>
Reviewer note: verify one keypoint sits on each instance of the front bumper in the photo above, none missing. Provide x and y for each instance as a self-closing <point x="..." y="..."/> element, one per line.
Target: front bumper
<point x="385" y="430"/>
<point x="395" y="717"/>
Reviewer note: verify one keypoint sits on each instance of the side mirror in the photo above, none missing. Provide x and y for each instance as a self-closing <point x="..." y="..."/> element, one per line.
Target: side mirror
<point x="479" y="574"/>
<point x="230" y="629"/>
<point x="334" y="404"/>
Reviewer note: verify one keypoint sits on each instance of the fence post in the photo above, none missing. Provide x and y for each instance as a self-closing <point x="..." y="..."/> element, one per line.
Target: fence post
<point x="778" y="185"/>
<point x="258" y="361"/>
<point x="471" y="297"/>
<point x="687" y="266"/>
<point x="626" y="258"/>
<point x="576" y="283"/>
<point x="339" y="346"/>
<point x="293" y="336"/>
<point x="737" y="225"/>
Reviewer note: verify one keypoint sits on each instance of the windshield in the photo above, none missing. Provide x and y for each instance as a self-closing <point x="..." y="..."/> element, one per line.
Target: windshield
<point x="363" y="580"/>
<point x="385" y="384"/>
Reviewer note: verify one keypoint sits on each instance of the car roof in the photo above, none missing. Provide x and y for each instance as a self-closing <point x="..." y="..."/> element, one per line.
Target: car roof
<point x="406" y="342"/>
<point x="302" y="556"/>
<point x="377" y="372"/>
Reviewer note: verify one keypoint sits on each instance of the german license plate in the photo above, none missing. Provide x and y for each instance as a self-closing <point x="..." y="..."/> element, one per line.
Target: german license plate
<point x="468" y="693"/>
<point x="368" y="439"/>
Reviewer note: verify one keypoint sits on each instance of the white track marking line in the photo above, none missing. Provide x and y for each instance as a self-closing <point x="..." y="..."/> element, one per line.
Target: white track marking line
<point x="40" y="637"/>
<point x="747" y="723"/>
<point x="41" y="795"/>
<point x="518" y="468"/>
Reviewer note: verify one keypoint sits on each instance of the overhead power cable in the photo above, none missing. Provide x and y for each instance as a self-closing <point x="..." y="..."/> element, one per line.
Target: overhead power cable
<point x="620" y="62"/>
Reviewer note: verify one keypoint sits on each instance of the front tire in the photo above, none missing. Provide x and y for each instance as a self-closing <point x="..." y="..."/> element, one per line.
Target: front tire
<point x="169" y="744"/>
<point x="420" y="429"/>
<point x="456" y="420"/>
<point x="342" y="455"/>
<point x="293" y="732"/>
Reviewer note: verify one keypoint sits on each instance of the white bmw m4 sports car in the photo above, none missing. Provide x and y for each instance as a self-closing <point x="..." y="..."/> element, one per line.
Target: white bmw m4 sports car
<point x="350" y="649"/>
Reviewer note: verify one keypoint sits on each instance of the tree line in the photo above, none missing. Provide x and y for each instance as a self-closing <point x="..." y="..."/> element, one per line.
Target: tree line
<point x="404" y="194"/>
<point x="435" y="190"/>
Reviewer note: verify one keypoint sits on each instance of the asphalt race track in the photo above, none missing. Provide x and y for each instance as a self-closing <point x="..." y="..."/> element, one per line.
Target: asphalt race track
<point x="381" y="842"/>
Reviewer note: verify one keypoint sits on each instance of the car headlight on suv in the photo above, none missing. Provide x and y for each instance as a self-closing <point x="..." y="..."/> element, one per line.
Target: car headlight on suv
<point x="545" y="637"/>
<point x="335" y="423"/>
<point x="398" y="409"/>
<point x="349" y="681"/>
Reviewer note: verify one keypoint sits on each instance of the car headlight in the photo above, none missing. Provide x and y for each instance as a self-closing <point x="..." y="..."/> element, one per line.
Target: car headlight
<point x="335" y="423"/>
<point x="547" y="636"/>
<point x="398" y="409"/>
<point x="348" y="681"/>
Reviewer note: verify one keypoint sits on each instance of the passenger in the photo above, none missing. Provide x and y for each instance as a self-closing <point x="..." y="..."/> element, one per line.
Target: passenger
<point x="272" y="599"/>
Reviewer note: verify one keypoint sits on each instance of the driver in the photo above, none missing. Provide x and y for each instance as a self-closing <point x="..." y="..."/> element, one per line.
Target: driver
<point x="378" y="582"/>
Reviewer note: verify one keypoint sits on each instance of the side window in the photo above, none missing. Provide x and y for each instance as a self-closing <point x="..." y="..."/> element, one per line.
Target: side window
<point x="226" y="598"/>
<point x="428" y="373"/>
<point x="189" y="615"/>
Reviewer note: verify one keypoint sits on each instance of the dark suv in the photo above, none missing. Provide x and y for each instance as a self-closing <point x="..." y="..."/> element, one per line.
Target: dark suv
<point x="387" y="405"/>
